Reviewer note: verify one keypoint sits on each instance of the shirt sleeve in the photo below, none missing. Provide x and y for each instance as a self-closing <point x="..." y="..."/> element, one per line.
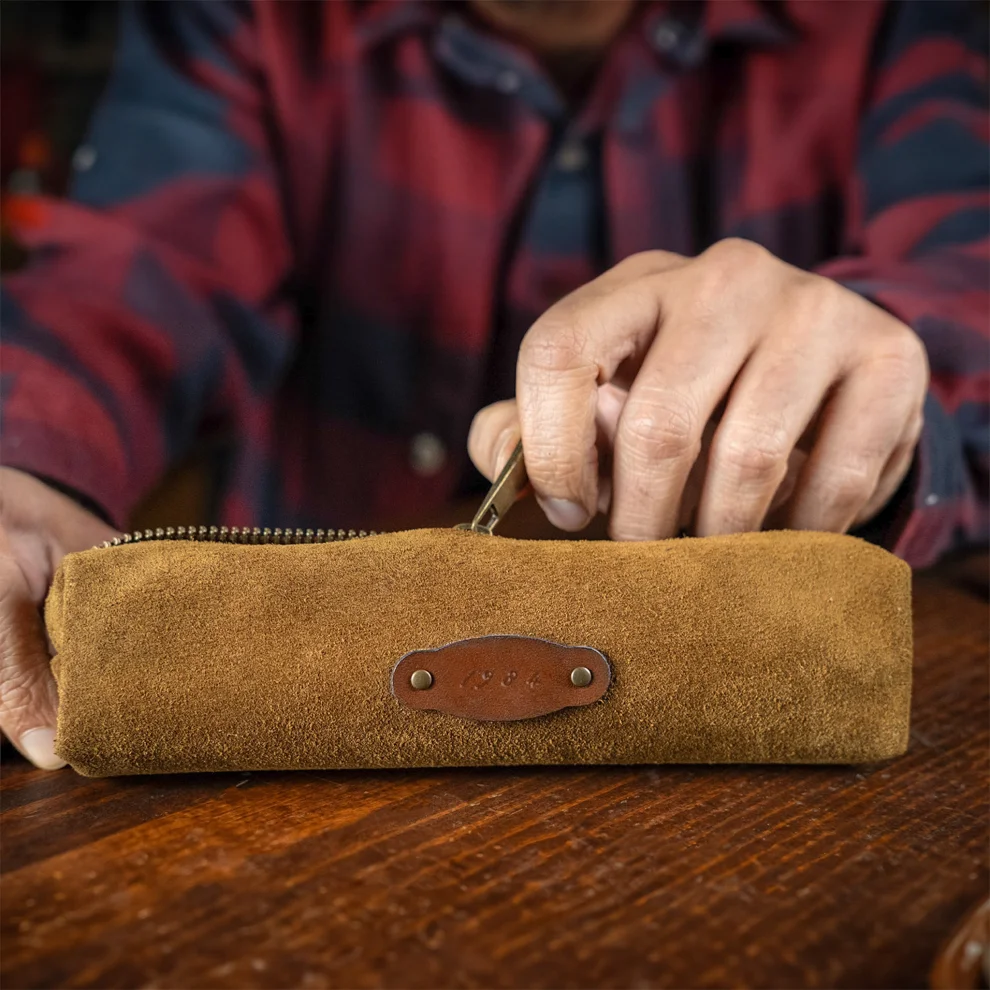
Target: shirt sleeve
<point x="152" y="310"/>
<point x="919" y="231"/>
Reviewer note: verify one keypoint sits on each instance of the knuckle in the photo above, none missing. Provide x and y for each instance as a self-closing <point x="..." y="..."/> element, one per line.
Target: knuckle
<point x="16" y="696"/>
<point x="558" y="466"/>
<point x="850" y="484"/>
<point x="10" y="579"/>
<point x="903" y="363"/>
<point x="663" y="427"/>
<point x="816" y="311"/>
<point x="754" y="454"/>
<point x="553" y="345"/>
<point x="642" y="263"/>
<point x="736" y="255"/>
<point x="23" y="657"/>
<point x="815" y="301"/>
<point x="554" y="470"/>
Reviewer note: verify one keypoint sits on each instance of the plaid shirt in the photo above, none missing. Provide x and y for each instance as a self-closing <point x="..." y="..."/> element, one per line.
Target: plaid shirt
<point x="316" y="233"/>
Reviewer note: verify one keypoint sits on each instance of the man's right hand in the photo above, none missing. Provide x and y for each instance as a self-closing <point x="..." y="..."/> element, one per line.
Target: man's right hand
<point x="38" y="527"/>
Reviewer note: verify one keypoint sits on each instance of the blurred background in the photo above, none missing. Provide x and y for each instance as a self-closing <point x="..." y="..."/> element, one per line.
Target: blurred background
<point x="55" y="56"/>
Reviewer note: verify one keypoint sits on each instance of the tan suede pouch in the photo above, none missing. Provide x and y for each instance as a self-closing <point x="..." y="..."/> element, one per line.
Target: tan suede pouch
<point x="759" y="648"/>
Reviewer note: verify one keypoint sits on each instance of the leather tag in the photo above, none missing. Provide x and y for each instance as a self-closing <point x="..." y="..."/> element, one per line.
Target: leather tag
<point x="501" y="678"/>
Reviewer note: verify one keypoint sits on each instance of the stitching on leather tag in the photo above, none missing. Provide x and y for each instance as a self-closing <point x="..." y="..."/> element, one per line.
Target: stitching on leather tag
<point x="501" y="678"/>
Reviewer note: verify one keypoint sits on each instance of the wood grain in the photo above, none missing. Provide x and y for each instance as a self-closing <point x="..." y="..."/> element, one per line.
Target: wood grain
<point x="625" y="877"/>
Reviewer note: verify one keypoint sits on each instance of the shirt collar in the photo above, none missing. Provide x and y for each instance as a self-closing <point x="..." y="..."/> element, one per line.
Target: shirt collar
<point x="681" y="31"/>
<point x="474" y="55"/>
<point x="378" y="21"/>
<point x="762" y="23"/>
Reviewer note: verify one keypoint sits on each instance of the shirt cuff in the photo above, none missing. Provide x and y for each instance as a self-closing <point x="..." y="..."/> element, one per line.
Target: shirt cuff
<point x="919" y="522"/>
<point x="64" y="463"/>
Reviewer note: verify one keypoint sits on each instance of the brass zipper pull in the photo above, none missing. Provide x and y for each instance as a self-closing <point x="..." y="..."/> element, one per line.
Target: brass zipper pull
<point x="510" y="484"/>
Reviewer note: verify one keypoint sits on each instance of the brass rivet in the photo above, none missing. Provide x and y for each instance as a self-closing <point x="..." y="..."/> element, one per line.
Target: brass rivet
<point x="421" y="680"/>
<point x="581" y="677"/>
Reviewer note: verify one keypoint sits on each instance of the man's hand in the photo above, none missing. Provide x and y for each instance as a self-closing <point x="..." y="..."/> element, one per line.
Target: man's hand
<point x="724" y="392"/>
<point x="38" y="526"/>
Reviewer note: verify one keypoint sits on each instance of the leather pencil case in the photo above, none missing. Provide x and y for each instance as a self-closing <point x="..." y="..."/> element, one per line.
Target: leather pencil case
<point x="247" y="650"/>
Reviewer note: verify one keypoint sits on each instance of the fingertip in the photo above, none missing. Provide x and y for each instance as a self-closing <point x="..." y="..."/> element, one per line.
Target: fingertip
<point x="564" y="514"/>
<point x="38" y="745"/>
<point x="493" y="435"/>
<point x="604" y="495"/>
<point x="473" y="445"/>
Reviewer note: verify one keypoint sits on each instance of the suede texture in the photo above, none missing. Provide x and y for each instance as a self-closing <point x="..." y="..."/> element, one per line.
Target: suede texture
<point x="758" y="648"/>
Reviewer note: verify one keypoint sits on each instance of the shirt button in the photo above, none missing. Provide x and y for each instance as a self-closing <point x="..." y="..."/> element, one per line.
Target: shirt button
<point x="427" y="454"/>
<point x="572" y="157"/>
<point x="667" y="35"/>
<point x="84" y="158"/>
<point x="507" y="81"/>
<point x="931" y="499"/>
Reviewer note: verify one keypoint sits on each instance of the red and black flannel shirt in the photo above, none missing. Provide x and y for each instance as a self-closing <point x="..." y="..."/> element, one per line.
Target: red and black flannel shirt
<point x="317" y="232"/>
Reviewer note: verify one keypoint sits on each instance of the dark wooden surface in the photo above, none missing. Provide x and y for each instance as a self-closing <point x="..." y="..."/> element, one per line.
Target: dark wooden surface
<point x="625" y="877"/>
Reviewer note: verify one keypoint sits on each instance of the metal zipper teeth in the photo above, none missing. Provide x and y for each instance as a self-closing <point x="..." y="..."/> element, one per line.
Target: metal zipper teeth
<point x="235" y="534"/>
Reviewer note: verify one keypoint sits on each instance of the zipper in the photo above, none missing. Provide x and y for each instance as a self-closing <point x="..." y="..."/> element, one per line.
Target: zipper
<point x="507" y="488"/>
<point x="236" y="534"/>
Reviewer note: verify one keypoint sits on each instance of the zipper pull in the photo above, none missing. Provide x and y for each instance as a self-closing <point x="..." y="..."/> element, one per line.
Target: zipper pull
<point x="510" y="485"/>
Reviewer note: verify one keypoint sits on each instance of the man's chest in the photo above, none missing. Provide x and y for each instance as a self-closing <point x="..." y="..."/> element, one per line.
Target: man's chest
<point x="443" y="196"/>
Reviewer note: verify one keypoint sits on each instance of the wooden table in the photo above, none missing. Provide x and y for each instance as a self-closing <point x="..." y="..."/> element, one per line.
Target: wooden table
<point x="625" y="877"/>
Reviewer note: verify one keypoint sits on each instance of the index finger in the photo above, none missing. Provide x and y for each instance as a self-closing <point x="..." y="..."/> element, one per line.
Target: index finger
<point x="574" y="347"/>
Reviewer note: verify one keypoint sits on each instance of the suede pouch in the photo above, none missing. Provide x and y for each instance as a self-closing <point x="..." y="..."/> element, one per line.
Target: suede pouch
<point x="778" y="647"/>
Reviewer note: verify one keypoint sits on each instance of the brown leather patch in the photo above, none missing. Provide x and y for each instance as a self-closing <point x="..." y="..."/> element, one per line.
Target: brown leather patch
<point x="501" y="678"/>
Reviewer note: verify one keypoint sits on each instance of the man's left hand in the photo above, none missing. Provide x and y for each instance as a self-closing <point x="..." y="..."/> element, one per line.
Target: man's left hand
<point x="722" y="393"/>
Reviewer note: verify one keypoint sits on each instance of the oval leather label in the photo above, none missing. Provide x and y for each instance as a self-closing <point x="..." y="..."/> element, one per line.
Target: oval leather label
<point x="501" y="678"/>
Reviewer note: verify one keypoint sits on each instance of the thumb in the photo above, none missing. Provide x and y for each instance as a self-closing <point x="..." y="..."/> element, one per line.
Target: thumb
<point x="28" y="695"/>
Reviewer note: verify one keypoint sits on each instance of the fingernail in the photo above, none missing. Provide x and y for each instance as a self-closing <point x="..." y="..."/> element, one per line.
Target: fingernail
<point x="564" y="514"/>
<point x="39" y="747"/>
